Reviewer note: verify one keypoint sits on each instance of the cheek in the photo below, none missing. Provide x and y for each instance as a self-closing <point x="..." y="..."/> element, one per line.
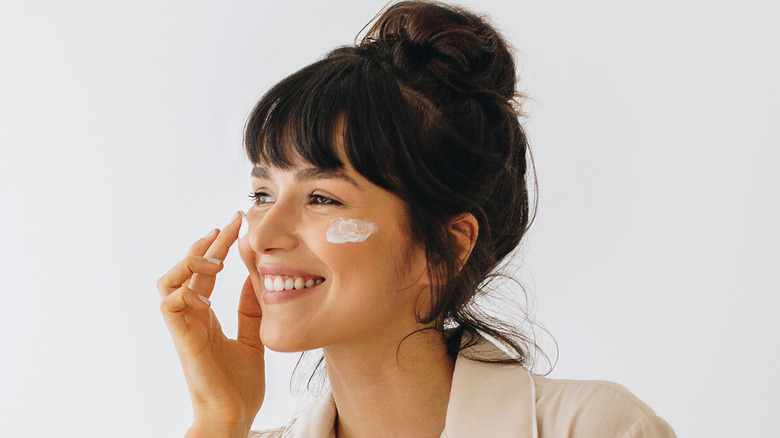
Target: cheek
<point x="337" y="257"/>
<point x="248" y="255"/>
<point x="380" y="263"/>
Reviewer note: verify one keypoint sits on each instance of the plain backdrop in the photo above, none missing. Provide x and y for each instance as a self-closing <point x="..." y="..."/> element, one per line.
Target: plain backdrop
<point x="652" y="261"/>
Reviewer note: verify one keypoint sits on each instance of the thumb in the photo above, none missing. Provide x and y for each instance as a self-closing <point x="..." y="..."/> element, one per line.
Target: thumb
<point x="250" y="315"/>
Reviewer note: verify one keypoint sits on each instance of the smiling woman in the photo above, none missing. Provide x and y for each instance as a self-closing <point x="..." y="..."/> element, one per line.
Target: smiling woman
<point x="390" y="180"/>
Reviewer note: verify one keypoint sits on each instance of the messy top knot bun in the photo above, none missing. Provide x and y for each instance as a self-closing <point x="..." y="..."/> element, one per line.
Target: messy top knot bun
<point x="426" y="104"/>
<point x="430" y="42"/>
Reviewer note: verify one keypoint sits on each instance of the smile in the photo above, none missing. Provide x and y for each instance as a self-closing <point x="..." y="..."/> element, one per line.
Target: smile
<point x="276" y="283"/>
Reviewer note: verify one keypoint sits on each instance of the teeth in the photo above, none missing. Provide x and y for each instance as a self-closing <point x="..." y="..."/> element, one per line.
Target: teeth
<point x="279" y="283"/>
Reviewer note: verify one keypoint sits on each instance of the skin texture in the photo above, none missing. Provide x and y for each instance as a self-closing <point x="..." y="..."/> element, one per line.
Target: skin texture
<point x="390" y="376"/>
<point x="364" y="308"/>
<point x="370" y="288"/>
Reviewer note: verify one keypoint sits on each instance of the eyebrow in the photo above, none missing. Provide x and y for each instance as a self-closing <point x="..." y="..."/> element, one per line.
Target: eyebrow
<point x="308" y="174"/>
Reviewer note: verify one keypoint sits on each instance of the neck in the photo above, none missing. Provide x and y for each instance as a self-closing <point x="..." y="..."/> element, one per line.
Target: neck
<point x="399" y="389"/>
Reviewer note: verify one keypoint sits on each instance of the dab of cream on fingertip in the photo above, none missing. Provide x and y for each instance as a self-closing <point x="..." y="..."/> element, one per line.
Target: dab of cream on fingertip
<point x="244" y="226"/>
<point x="349" y="230"/>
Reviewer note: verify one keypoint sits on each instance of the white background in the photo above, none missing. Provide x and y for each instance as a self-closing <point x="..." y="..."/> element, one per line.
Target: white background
<point x="653" y="258"/>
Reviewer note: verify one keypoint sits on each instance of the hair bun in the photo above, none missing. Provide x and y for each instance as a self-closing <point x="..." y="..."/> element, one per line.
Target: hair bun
<point x="427" y="40"/>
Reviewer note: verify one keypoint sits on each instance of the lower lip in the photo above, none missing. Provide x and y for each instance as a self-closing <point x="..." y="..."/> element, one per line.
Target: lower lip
<point x="281" y="296"/>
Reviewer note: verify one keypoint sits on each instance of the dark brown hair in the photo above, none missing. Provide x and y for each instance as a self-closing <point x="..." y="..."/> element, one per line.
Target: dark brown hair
<point x="430" y="113"/>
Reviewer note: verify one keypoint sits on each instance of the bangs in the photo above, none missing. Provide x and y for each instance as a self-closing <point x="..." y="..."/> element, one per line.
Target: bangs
<point x="300" y="119"/>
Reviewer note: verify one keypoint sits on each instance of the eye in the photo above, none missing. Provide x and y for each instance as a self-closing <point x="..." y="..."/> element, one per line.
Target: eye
<point x="322" y="200"/>
<point x="261" y="198"/>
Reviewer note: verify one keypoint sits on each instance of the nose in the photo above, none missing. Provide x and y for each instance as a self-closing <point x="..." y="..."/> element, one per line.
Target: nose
<point x="272" y="228"/>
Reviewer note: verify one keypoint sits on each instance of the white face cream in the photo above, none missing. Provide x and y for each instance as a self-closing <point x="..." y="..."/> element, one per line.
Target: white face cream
<point x="244" y="226"/>
<point x="349" y="230"/>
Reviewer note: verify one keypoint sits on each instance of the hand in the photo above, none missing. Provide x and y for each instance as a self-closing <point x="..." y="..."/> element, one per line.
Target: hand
<point x="225" y="377"/>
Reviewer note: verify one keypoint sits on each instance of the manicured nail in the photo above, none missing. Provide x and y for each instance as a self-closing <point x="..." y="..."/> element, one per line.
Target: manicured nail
<point x="210" y="233"/>
<point x="212" y="260"/>
<point x="244" y="226"/>
<point x="232" y="219"/>
<point x="204" y="299"/>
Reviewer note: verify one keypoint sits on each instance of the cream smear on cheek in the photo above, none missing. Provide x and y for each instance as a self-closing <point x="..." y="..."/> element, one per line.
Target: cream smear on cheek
<point x="349" y="230"/>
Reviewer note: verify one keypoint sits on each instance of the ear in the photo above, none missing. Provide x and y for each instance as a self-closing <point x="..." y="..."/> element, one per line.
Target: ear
<point x="464" y="230"/>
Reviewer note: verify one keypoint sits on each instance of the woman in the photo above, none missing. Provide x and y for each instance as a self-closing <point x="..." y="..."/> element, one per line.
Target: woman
<point x="390" y="179"/>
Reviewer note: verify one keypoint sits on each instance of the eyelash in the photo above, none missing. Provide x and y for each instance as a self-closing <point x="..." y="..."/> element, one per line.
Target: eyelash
<point x="256" y="197"/>
<point x="314" y="199"/>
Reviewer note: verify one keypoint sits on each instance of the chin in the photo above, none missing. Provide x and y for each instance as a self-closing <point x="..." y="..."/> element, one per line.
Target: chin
<point x="282" y="341"/>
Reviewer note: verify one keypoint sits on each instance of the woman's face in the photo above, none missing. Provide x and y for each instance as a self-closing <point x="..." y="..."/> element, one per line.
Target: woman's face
<point x="355" y="293"/>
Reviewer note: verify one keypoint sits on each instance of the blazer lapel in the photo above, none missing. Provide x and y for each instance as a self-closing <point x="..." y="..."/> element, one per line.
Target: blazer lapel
<point x="490" y="399"/>
<point x="317" y="421"/>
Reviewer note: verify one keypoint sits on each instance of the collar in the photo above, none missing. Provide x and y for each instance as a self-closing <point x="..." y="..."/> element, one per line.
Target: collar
<point x="317" y="421"/>
<point x="486" y="399"/>
<point x="494" y="400"/>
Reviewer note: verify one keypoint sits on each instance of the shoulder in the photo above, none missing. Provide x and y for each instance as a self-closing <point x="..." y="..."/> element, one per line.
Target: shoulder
<point x="590" y="408"/>
<point x="581" y="393"/>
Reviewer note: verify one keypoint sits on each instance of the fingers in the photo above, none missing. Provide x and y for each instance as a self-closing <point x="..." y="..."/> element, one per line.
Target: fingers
<point x="219" y="249"/>
<point x="200" y="247"/>
<point x="203" y="284"/>
<point x="184" y="270"/>
<point x="250" y="315"/>
<point x="176" y="306"/>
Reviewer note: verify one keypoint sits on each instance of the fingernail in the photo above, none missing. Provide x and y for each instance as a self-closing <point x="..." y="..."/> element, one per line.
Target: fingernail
<point x="210" y="233"/>
<point x="213" y="260"/>
<point x="232" y="219"/>
<point x="244" y="226"/>
<point x="204" y="299"/>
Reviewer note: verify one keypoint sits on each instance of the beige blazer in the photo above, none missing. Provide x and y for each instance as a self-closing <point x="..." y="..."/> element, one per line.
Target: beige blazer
<point x="497" y="401"/>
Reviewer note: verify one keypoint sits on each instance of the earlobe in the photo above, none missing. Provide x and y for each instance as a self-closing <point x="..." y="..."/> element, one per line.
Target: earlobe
<point x="464" y="229"/>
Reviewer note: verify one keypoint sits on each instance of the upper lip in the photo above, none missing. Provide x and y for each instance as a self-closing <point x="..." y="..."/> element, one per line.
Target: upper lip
<point x="284" y="270"/>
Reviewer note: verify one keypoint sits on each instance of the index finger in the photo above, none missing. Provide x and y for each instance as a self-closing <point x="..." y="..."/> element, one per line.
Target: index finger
<point x="219" y="249"/>
<point x="203" y="284"/>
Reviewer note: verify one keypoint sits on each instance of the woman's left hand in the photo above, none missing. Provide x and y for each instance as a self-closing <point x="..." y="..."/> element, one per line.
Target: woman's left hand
<point x="226" y="377"/>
